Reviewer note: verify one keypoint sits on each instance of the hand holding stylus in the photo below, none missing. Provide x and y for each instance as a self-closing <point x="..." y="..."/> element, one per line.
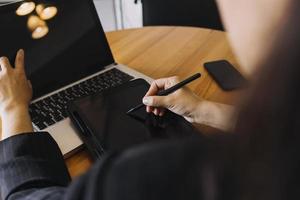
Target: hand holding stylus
<point x="181" y="101"/>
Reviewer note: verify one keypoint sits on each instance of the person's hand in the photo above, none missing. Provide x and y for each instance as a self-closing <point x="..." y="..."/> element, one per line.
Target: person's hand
<point x="15" y="96"/>
<point x="185" y="103"/>
<point x="15" y="89"/>
<point x="182" y="102"/>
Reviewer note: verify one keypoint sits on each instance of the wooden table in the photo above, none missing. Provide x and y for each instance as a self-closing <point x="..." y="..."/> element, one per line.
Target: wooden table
<point x="168" y="51"/>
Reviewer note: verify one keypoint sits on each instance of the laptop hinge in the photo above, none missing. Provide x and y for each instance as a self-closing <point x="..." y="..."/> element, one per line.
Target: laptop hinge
<point x="111" y="65"/>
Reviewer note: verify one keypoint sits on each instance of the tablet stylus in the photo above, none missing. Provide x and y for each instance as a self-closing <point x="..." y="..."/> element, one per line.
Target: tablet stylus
<point x="169" y="90"/>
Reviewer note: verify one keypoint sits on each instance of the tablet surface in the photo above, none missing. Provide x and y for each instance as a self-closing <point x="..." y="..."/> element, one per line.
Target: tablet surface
<point x="107" y="126"/>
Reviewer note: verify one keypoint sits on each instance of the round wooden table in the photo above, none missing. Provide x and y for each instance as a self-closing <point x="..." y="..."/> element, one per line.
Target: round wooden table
<point x="168" y="51"/>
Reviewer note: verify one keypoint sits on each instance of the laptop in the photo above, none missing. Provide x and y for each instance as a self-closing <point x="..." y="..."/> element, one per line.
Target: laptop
<point x="67" y="56"/>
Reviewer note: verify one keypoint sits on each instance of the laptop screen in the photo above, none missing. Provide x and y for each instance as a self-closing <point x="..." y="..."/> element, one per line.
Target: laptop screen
<point x="63" y="41"/>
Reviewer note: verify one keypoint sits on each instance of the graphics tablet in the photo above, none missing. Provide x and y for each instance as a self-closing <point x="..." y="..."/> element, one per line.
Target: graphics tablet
<point x="104" y="125"/>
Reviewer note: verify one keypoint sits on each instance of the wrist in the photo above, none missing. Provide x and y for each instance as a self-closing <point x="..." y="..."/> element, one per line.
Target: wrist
<point x="216" y="115"/>
<point x="14" y="109"/>
<point x="202" y="112"/>
<point x="15" y="120"/>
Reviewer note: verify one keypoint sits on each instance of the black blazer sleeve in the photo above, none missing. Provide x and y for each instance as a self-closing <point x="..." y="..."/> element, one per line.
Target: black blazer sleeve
<point x="32" y="167"/>
<point x="30" y="161"/>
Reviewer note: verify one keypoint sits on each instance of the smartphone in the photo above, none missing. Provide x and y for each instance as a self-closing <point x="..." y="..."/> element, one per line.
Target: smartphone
<point x="226" y="76"/>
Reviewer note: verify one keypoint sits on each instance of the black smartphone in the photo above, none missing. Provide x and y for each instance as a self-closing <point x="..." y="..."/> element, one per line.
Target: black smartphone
<point x="226" y="76"/>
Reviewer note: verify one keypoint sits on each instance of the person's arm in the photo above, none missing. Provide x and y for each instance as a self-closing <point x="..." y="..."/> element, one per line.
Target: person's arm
<point x="15" y="96"/>
<point x="31" y="165"/>
<point x="216" y="115"/>
<point x="194" y="109"/>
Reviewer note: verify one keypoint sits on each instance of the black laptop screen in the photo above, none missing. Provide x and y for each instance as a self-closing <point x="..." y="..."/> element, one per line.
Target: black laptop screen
<point x="63" y="41"/>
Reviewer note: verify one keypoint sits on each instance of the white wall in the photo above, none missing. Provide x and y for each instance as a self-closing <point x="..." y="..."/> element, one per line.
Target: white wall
<point x="132" y="14"/>
<point x="119" y="14"/>
<point x="106" y="12"/>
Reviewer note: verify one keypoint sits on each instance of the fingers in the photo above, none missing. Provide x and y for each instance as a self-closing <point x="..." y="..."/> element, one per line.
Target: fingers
<point x="153" y="102"/>
<point x="159" y="111"/>
<point x="156" y="85"/>
<point x="161" y="84"/>
<point x="19" y="62"/>
<point x="4" y="64"/>
<point x="149" y="109"/>
<point x="162" y="112"/>
<point x="156" y="101"/>
<point x="156" y="111"/>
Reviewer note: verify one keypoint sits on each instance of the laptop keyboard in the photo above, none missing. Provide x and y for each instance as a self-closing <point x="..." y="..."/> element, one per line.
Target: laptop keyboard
<point x="52" y="109"/>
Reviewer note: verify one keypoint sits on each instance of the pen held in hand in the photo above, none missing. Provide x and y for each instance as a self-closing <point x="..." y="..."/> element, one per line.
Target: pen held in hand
<point x="169" y="90"/>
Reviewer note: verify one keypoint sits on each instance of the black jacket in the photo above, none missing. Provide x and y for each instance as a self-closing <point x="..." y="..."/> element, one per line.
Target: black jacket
<point x="32" y="167"/>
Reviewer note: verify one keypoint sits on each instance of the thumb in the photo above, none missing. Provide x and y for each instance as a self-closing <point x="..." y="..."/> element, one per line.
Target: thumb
<point x="155" y="101"/>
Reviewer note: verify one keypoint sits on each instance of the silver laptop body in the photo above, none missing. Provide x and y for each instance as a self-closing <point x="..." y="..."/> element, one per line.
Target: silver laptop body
<point x="61" y="51"/>
<point x="63" y="132"/>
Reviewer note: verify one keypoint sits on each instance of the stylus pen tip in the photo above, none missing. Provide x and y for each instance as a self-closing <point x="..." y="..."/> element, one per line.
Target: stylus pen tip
<point x="129" y="111"/>
<point x="135" y="108"/>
